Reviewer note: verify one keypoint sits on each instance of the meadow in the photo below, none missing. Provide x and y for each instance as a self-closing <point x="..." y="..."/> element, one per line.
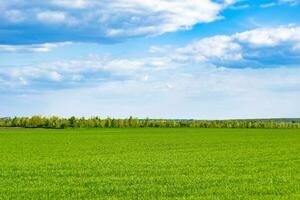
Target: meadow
<point x="148" y="163"/>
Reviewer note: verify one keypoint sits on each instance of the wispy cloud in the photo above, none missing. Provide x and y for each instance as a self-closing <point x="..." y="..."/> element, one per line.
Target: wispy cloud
<point x="280" y="2"/>
<point x="291" y="2"/>
<point x="37" y="48"/>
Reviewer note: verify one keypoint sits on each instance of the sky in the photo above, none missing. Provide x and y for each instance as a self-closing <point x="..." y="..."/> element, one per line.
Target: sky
<point x="200" y="59"/>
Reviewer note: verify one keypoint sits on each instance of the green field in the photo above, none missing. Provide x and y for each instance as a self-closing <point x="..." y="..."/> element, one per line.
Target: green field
<point x="150" y="164"/>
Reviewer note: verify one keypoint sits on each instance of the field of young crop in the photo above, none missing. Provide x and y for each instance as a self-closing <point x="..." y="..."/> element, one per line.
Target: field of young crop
<point x="150" y="164"/>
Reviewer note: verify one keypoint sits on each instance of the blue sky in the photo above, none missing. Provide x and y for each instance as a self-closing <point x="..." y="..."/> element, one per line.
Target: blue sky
<point x="202" y="59"/>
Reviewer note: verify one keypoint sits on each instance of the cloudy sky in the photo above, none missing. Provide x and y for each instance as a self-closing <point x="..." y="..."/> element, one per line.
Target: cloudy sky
<point x="202" y="59"/>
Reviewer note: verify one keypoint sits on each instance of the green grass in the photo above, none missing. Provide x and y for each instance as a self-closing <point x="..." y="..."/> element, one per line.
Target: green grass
<point x="150" y="164"/>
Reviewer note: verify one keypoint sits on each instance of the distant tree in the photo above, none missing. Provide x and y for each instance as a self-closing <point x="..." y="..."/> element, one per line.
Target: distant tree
<point x="36" y="122"/>
<point x="108" y="123"/>
<point x="72" y="122"/>
<point x="54" y="122"/>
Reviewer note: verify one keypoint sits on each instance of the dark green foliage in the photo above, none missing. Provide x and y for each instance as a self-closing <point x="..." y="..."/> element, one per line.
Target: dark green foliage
<point x="95" y="122"/>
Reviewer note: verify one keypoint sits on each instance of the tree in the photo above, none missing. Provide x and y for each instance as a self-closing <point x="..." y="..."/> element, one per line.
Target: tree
<point x="36" y="122"/>
<point x="72" y="122"/>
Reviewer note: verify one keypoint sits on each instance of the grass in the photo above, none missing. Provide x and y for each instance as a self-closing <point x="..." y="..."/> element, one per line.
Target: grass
<point x="150" y="164"/>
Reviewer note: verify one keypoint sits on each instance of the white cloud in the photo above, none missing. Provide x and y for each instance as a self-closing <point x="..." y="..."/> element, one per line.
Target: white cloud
<point x="74" y="4"/>
<point x="187" y="82"/>
<point x="120" y="18"/>
<point x="268" y="5"/>
<point x="245" y="49"/>
<point x="164" y="16"/>
<point x="280" y="2"/>
<point x="51" y="17"/>
<point x="159" y="49"/>
<point x="269" y="36"/>
<point x="35" y="48"/>
<point x="56" y="17"/>
<point x="207" y="93"/>
<point x="214" y="48"/>
<point x="55" y="76"/>
<point x="241" y="7"/>
<point x="91" y="70"/>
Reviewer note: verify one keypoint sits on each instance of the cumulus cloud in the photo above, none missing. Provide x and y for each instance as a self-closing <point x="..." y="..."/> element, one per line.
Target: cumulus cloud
<point x="225" y="76"/>
<point x="92" y="20"/>
<point x="279" y="47"/>
<point x="246" y="74"/>
<point x="263" y="47"/>
<point x="83" y="72"/>
<point x="173" y="15"/>
<point x="270" y="36"/>
<point x="221" y="48"/>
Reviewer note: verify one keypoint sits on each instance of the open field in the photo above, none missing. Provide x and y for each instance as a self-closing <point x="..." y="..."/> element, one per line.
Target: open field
<point x="150" y="164"/>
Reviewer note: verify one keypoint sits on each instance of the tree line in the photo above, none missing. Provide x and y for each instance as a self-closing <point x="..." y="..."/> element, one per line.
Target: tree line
<point x="96" y="122"/>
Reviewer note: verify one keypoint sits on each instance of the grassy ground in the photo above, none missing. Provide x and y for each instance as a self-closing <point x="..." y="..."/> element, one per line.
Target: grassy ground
<point x="150" y="164"/>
